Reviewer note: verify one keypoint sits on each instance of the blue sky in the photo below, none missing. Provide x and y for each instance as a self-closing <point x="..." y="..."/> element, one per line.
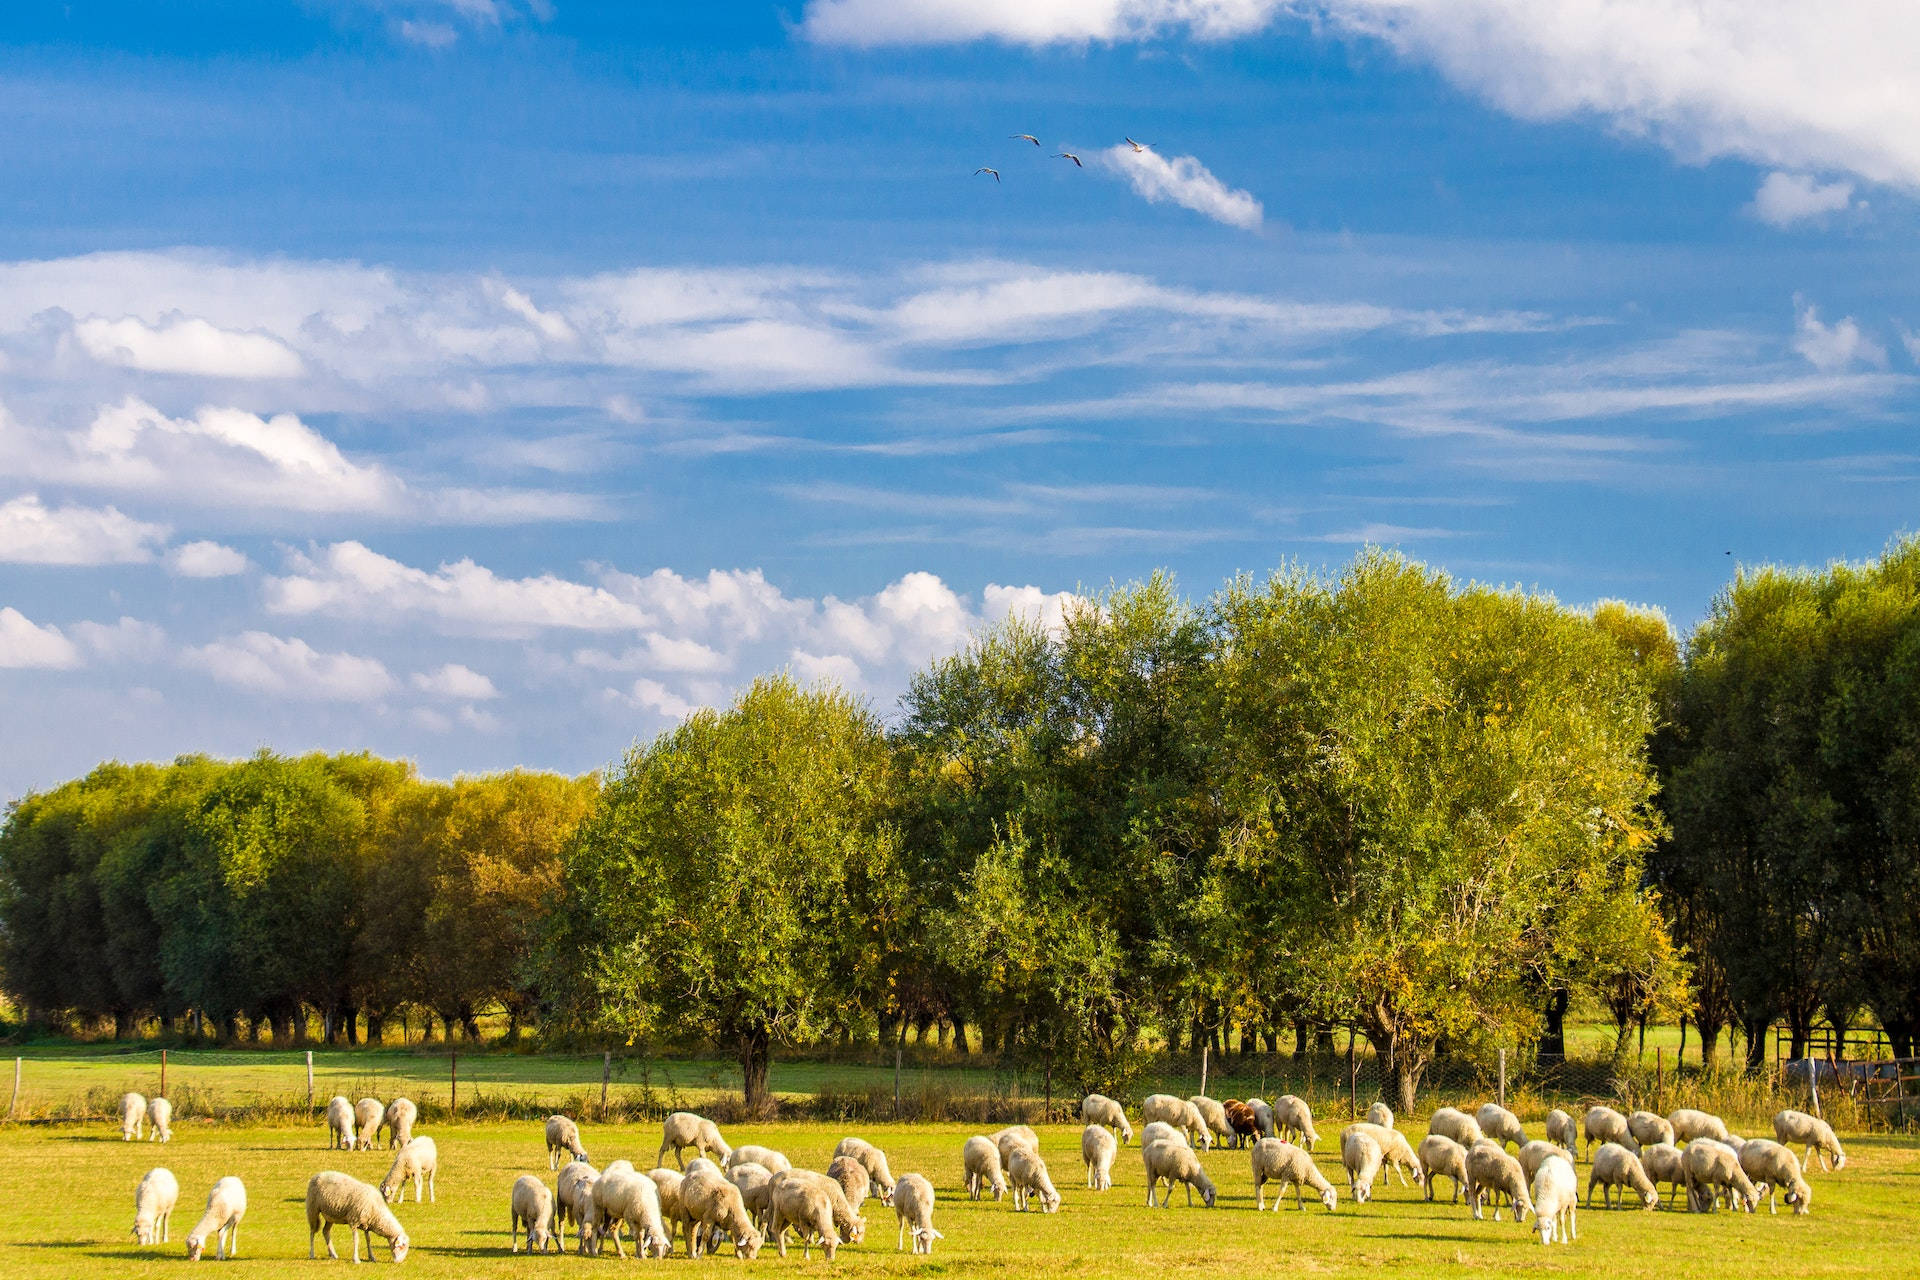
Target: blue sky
<point x="492" y="382"/>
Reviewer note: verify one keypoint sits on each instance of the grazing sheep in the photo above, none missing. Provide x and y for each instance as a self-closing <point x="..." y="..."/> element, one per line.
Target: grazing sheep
<point x="853" y="1178"/>
<point x="1648" y="1129"/>
<point x="370" y="1114"/>
<point x="981" y="1161"/>
<point x="573" y="1198"/>
<point x="153" y="1204"/>
<point x="1264" y="1114"/>
<point x="756" y="1189"/>
<point x="1243" y="1121"/>
<point x="160" y="1115"/>
<point x="1450" y="1122"/>
<point x="766" y="1157"/>
<point x="1776" y="1168"/>
<point x="1098" y="1108"/>
<point x="1361" y="1156"/>
<point x="341" y="1134"/>
<point x="1381" y="1114"/>
<point x="1160" y="1131"/>
<point x="851" y="1227"/>
<point x="1175" y="1162"/>
<point x="1689" y="1125"/>
<point x="1492" y="1173"/>
<point x="684" y="1129"/>
<point x="622" y="1197"/>
<point x="913" y="1205"/>
<point x="1394" y="1149"/>
<point x="1014" y="1135"/>
<point x="875" y="1161"/>
<point x="1293" y="1119"/>
<point x="1181" y="1114"/>
<point x="418" y="1159"/>
<point x="1663" y="1163"/>
<point x="1604" y="1124"/>
<point x="531" y="1204"/>
<point x="336" y="1198"/>
<point x="713" y="1205"/>
<point x="226" y="1205"/>
<point x="1501" y="1125"/>
<point x="667" y="1183"/>
<point x="1288" y="1166"/>
<point x="805" y="1207"/>
<point x="1215" y="1116"/>
<point x="1615" y="1166"/>
<point x="1097" y="1150"/>
<point x="1556" y="1201"/>
<point x="133" y="1116"/>
<point x="1563" y="1130"/>
<point x="563" y="1135"/>
<point x="398" y="1122"/>
<point x="1027" y="1174"/>
<point x="1531" y="1156"/>
<point x="1710" y="1166"/>
<point x="1442" y="1157"/>
<point x="1798" y="1129"/>
<point x="700" y="1164"/>
<point x="618" y="1166"/>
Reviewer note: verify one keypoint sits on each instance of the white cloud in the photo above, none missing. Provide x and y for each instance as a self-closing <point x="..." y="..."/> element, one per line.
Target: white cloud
<point x="1786" y="198"/>
<point x="1184" y="181"/>
<point x="33" y="533"/>
<point x="26" y="645"/>
<point x="1047" y="609"/>
<point x="206" y="560"/>
<point x="651" y="695"/>
<point x="830" y="668"/>
<point x="1834" y="347"/>
<point x="291" y="668"/>
<point x="866" y="23"/>
<point x="455" y="683"/>
<point x="128" y="640"/>
<point x="187" y="345"/>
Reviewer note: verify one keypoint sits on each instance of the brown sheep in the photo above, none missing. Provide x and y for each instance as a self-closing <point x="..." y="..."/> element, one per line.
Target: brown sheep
<point x="1243" y="1120"/>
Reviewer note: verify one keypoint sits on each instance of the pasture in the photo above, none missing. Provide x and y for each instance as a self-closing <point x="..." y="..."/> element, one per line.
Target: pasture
<point x="66" y="1206"/>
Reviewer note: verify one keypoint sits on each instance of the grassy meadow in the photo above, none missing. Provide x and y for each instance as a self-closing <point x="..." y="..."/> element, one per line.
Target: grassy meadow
<point x="68" y="1197"/>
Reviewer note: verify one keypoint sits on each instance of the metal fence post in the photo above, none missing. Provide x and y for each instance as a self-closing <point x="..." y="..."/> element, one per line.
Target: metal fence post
<point x="309" y="1080"/>
<point x="1503" y="1077"/>
<point x="1813" y="1083"/>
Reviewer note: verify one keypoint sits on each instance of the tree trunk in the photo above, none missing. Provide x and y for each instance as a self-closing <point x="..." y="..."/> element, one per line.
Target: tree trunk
<point x="1553" y="1035"/>
<point x="960" y="1035"/>
<point x="1756" y="1034"/>
<point x="1300" y="1033"/>
<point x="122" y="1024"/>
<point x="376" y="1027"/>
<point x="756" y="1053"/>
<point x="469" y="1023"/>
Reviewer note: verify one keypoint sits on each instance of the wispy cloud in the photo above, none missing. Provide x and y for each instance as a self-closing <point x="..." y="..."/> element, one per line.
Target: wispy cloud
<point x="1785" y="199"/>
<point x="1184" y="181"/>
<point x="33" y="533"/>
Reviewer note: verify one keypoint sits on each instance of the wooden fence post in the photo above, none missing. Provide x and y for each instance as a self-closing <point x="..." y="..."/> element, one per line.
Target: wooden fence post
<point x="1503" y="1077"/>
<point x="1206" y="1047"/>
<point x="1813" y="1083"/>
<point x="309" y="1081"/>
<point x="1660" y="1079"/>
<point x="163" y="1073"/>
<point x="453" y="1083"/>
<point x="1353" y="1078"/>
<point x="606" y="1073"/>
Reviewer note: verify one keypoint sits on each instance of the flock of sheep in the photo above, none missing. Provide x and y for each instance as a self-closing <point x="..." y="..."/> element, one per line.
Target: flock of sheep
<point x="745" y="1196"/>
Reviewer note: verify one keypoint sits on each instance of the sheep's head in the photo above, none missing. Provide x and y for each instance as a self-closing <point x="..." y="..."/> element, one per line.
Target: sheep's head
<point x="1750" y="1199"/>
<point x="857" y="1230"/>
<point x="1208" y="1194"/>
<point x="923" y="1238"/>
<point x="1049" y="1200"/>
<point x="747" y="1243"/>
<point x="1650" y="1198"/>
<point x="143" y="1233"/>
<point x="400" y="1246"/>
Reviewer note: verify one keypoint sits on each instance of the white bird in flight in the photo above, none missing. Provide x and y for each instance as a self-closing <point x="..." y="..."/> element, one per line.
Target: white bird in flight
<point x="983" y="169"/>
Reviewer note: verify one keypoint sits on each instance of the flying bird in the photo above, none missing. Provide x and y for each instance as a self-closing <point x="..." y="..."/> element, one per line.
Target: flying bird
<point x="994" y="172"/>
<point x="1137" y="146"/>
<point x="1025" y="137"/>
<point x="1068" y="155"/>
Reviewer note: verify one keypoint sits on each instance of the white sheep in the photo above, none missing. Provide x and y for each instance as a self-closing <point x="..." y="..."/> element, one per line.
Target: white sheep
<point x="1098" y="1108"/>
<point x="1214" y="1113"/>
<point x="133" y="1116"/>
<point x="1664" y="1163"/>
<point x="1450" y="1122"/>
<point x="766" y="1157"/>
<point x="1501" y="1125"/>
<point x="226" y="1205"/>
<point x="806" y="1208"/>
<point x="875" y="1161"/>
<point x="531" y="1205"/>
<point x="1798" y="1129"/>
<point x="1649" y="1128"/>
<point x="667" y="1183"/>
<point x="1556" y="1201"/>
<point x="160" y="1115"/>
<point x="1161" y="1131"/>
<point x="701" y="1164"/>
<point x="850" y="1226"/>
<point x="573" y="1198"/>
<point x="1293" y="1118"/>
<point x="1286" y="1165"/>
<point x="684" y="1129"/>
<point x="154" y="1201"/>
<point x="1711" y="1166"/>
<point x="1381" y="1114"/>
<point x="341" y="1133"/>
<point x="1264" y="1114"/>
<point x="1014" y="1135"/>
<point x="1097" y="1150"/>
<point x="419" y="1159"/>
<point x="980" y="1159"/>
<point x="1175" y="1162"/>
<point x="712" y="1205"/>
<point x="853" y="1178"/>
<point x="622" y="1197"/>
<point x="1604" y="1124"/>
<point x="1492" y="1173"/>
<point x="1442" y="1157"/>
<point x="1776" y="1168"/>
<point x="1615" y="1166"/>
<point x="913" y="1206"/>
<point x="1689" y="1125"/>
<point x="756" y="1190"/>
<point x="1563" y="1130"/>
<point x="1394" y="1149"/>
<point x="370" y="1114"/>
<point x="1027" y="1175"/>
<point x="398" y="1122"/>
<point x="1361" y="1156"/>
<point x="563" y="1135"/>
<point x="1181" y="1114"/>
<point x="1534" y="1153"/>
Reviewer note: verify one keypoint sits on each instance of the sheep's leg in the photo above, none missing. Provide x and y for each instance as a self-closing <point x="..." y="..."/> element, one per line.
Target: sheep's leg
<point x="233" y="1241"/>
<point x="513" y="1234"/>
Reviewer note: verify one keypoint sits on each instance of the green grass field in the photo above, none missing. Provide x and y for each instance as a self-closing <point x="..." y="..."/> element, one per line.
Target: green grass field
<point x="67" y="1192"/>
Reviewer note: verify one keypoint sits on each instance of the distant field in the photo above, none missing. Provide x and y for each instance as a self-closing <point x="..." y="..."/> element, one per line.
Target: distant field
<point x="66" y="1206"/>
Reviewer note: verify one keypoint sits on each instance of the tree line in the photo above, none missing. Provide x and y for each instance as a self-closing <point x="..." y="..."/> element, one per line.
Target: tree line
<point x="1430" y="811"/>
